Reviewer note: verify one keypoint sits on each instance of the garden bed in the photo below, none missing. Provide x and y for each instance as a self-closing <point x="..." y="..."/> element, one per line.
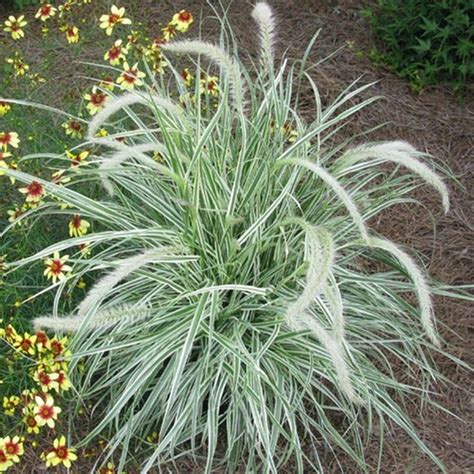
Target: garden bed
<point x="437" y="122"/>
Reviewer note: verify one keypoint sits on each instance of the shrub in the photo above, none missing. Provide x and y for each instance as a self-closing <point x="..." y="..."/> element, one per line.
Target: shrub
<point x="241" y="295"/>
<point x="425" y="42"/>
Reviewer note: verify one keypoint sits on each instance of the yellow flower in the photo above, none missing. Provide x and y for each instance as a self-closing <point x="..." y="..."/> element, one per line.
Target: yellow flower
<point x="72" y="34"/>
<point x="182" y="20"/>
<point x="131" y="76"/>
<point x="45" y="12"/>
<point x="46" y="381"/>
<point x="15" y="214"/>
<point x="4" y="108"/>
<point x="77" y="158"/>
<point x="3" y="163"/>
<point x="19" y="66"/>
<point x="45" y="411"/>
<point x="14" y="26"/>
<point x="56" y="267"/>
<point x="109" y="469"/>
<point x="26" y="344"/>
<point x="73" y="128"/>
<point x="96" y="100"/>
<point x="5" y="462"/>
<point x="13" y="447"/>
<point x="60" y="454"/>
<point x="32" y="426"/>
<point x="169" y="31"/>
<point x="187" y="77"/>
<point x="116" y="17"/>
<point x="102" y="132"/>
<point x="34" y="192"/>
<point x="10" y="404"/>
<point x="209" y="85"/>
<point x="78" y="226"/>
<point x="9" y="139"/>
<point x="116" y="53"/>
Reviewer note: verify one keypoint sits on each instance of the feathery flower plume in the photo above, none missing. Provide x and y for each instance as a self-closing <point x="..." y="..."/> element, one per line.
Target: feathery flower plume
<point x="263" y="15"/>
<point x="106" y="317"/>
<point x="125" y="153"/>
<point x="321" y="259"/>
<point x="125" y="100"/>
<point x="421" y="286"/>
<point x="334" y="184"/>
<point x="124" y="268"/>
<point x="403" y="154"/>
<point x="217" y="55"/>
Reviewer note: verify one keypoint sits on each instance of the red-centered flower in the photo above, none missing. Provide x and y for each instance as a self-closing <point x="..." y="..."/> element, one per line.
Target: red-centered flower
<point x="78" y="226"/>
<point x="169" y="31"/>
<point x="14" y="26"/>
<point x="34" y="192"/>
<point x="96" y="100"/>
<point x="116" y="53"/>
<point x="77" y="158"/>
<point x="13" y="448"/>
<point x="60" y="454"/>
<point x="4" y="108"/>
<point x="45" y="12"/>
<point x="56" y="267"/>
<point x="131" y="76"/>
<point x="45" y="411"/>
<point x="9" y="139"/>
<point x="26" y="344"/>
<point x="182" y="20"/>
<point x="116" y="17"/>
<point x="5" y="462"/>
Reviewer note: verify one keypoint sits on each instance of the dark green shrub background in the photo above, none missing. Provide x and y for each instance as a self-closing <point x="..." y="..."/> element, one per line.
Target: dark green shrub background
<point x="426" y="41"/>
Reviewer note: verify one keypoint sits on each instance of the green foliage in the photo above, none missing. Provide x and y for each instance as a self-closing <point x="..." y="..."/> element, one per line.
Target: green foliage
<point x="426" y="42"/>
<point x="20" y="4"/>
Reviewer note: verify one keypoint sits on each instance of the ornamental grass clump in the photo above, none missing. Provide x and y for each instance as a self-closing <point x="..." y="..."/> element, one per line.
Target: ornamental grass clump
<point x="244" y="309"/>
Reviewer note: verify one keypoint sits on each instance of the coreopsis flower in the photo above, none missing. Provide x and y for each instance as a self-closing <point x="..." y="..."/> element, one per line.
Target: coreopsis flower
<point x="65" y="7"/>
<point x="107" y="82"/>
<point x="63" y="381"/>
<point x="169" y="31"/>
<point x="157" y="42"/>
<point x="290" y="132"/>
<point x="26" y="344"/>
<point x="73" y="128"/>
<point x="10" y="404"/>
<point x="5" y="107"/>
<point x="3" y="163"/>
<point x="42" y="340"/>
<point x="9" y="139"/>
<point x="85" y="249"/>
<point x="15" y="214"/>
<point x="10" y="334"/>
<point x="96" y="100"/>
<point x="5" y="461"/>
<point x="58" y="347"/>
<point x="34" y="192"/>
<point x="13" y="447"/>
<point x="45" y="12"/>
<point x="56" y="267"/>
<point x="131" y="76"/>
<point x="116" y="17"/>
<point x="72" y="34"/>
<point x="32" y="426"/>
<point x="116" y="53"/>
<point x="187" y="77"/>
<point x="60" y="454"/>
<point x="59" y="178"/>
<point x="45" y="411"/>
<point x="20" y="67"/>
<point x="182" y="20"/>
<point x="209" y="85"/>
<point x="102" y="133"/>
<point x="78" y="226"/>
<point x="46" y="381"/>
<point x="14" y="26"/>
<point x="77" y="158"/>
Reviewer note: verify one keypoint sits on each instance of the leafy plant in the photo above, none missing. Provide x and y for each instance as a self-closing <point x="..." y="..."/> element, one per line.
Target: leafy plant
<point x="242" y="296"/>
<point x="20" y="4"/>
<point x="426" y="42"/>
